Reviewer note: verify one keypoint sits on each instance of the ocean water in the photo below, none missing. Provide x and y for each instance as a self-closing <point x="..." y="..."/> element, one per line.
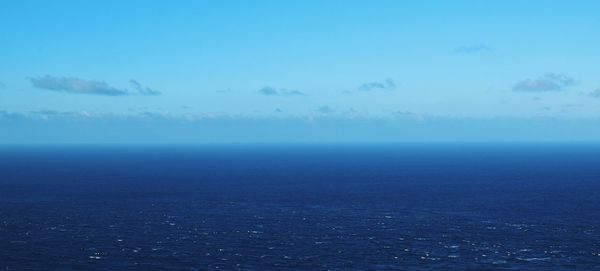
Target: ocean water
<point x="293" y="207"/>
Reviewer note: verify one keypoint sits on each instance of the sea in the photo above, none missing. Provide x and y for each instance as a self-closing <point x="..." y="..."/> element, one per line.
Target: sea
<point x="417" y="206"/>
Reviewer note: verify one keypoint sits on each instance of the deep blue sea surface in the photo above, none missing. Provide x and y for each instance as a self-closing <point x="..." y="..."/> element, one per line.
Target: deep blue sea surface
<point x="290" y="207"/>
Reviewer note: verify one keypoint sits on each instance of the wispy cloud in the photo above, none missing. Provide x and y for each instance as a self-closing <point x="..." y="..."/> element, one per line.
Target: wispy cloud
<point x="471" y="49"/>
<point x="325" y="110"/>
<point x="271" y="91"/>
<point x="143" y="90"/>
<point x="387" y="84"/>
<point x="43" y="115"/>
<point x="82" y="86"/>
<point x="547" y="82"/>
<point x="595" y="93"/>
<point x="76" y="85"/>
<point x="6" y="115"/>
<point x="51" y="112"/>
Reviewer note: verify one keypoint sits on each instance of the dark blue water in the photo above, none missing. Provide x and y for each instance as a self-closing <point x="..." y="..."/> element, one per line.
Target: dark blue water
<point x="313" y="207"/>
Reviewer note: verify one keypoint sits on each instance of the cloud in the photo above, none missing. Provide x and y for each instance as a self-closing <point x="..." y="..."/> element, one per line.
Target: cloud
<point x="76" y="85"/>
<point x="471" y="49"/>
<point x="547" y="82"/>
<point x="595" y="93"/>
<point x="387" y="84"/>
<point x="402" y="113"/>
<point x="48" y="112"/>
<point x="325" y="110"/>
<point x="143" y="90"/>
<point x="270" y="91"/>
<point x="6" y="115"/>
<point x="223" y="90"/>
<point x="82" y="86"/>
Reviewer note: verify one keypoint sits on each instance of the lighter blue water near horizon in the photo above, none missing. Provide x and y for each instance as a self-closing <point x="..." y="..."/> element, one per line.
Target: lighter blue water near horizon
<point x="313" y="207"/>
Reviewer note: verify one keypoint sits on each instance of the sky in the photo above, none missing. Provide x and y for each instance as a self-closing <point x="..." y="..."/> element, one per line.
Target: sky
<point x="295" y="71"/>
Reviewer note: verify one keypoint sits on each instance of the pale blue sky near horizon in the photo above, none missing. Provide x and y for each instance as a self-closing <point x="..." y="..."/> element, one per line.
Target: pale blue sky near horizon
<point x="181" y="71"/>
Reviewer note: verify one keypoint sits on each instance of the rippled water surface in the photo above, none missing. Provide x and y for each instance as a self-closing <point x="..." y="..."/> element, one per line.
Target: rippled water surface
<point x="314" y="207"/>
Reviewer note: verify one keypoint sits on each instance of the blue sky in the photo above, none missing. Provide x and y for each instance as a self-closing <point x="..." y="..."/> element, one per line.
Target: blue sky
<point x="204" y="71"/>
